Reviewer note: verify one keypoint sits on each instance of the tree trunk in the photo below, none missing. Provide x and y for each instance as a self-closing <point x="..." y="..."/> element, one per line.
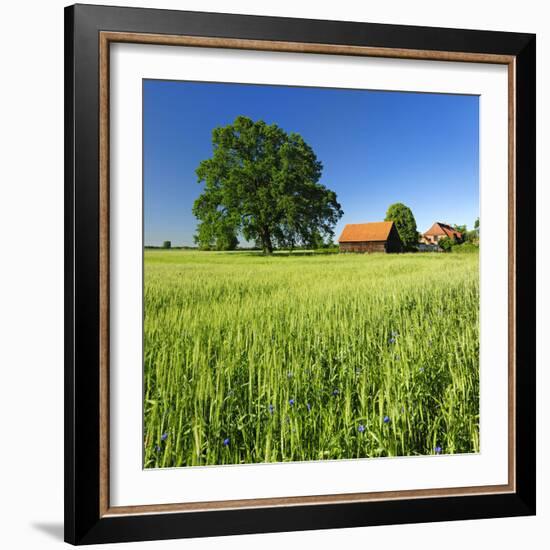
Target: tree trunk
<point x="267" y="245"/>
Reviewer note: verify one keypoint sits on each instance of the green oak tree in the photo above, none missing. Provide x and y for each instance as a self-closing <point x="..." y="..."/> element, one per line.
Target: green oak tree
<point x="264" y="184"/>
<point x="405" y="224"/>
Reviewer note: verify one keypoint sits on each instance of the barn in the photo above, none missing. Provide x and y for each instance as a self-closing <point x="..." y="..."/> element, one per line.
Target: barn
<point x="370" y="237"/>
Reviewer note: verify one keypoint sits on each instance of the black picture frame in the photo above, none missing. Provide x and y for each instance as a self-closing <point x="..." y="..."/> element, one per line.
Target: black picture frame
<point x="84" y="523"/>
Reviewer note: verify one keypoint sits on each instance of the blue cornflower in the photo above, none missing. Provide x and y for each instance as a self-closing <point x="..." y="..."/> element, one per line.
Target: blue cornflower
<point x="438" y="450"/>
<point x="164" y="437"/>
<point x="157" y="448"/>
<point x="226" y="441"/>
<point x="271" y="409"/>
<point x="308" y="407"/>
<point x="386" y="419"/>
<point x="335" y="392"/>
<point x="421" y="369"/>
<point x="392" y="340"/>
<point x="291" y="402"/>
<point x="360" y="428"/>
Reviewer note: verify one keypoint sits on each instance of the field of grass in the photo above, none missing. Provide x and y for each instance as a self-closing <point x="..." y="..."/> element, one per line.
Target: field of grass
<point x="268" y="359"/>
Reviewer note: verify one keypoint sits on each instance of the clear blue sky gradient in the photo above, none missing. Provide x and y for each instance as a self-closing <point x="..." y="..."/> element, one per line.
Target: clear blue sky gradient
<point x="376" y="147"/>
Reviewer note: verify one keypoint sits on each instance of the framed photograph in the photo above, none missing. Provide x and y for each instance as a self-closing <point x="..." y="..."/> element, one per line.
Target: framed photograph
<point x="300" y="274"/>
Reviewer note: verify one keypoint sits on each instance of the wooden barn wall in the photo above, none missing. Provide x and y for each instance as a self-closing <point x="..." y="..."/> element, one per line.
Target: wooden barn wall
<point x="368" y="246"/>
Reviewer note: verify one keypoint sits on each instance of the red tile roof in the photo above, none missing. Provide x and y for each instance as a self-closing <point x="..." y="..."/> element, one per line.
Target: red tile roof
<point x="362" y="232"/>
<point x="439" y="228"/>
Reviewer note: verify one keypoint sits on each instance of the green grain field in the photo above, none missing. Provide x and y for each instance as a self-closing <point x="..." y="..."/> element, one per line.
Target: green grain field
<point x="253" y="359"/>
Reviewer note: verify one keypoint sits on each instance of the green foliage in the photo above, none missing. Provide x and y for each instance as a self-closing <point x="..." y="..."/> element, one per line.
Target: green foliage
<point x="263" y="183"/>
<point x="468" y="237"/>
<point x="227" y="241"/>
<point x="215" y="236"/>
<point x="167" y="244"/>
<point x="471" y="236"/>
<point x="446" y="244"/>
<point x="461" y="228"/>
<point x="226" y="335"/>
<point x="405" y="223"/>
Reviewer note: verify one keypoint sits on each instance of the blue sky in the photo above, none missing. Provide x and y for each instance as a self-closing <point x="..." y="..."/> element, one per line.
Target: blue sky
<point x="377" y="148"/>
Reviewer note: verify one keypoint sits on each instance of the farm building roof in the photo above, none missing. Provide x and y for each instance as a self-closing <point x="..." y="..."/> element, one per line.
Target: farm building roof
<point x="361" y="232"/>
<point x="439" y="228"/>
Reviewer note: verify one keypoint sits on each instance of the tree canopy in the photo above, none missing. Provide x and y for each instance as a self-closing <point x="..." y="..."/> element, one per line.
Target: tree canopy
<point x="461" y="228"/>
<point x="405" y="224"/>
<point x="264" y="184"/>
